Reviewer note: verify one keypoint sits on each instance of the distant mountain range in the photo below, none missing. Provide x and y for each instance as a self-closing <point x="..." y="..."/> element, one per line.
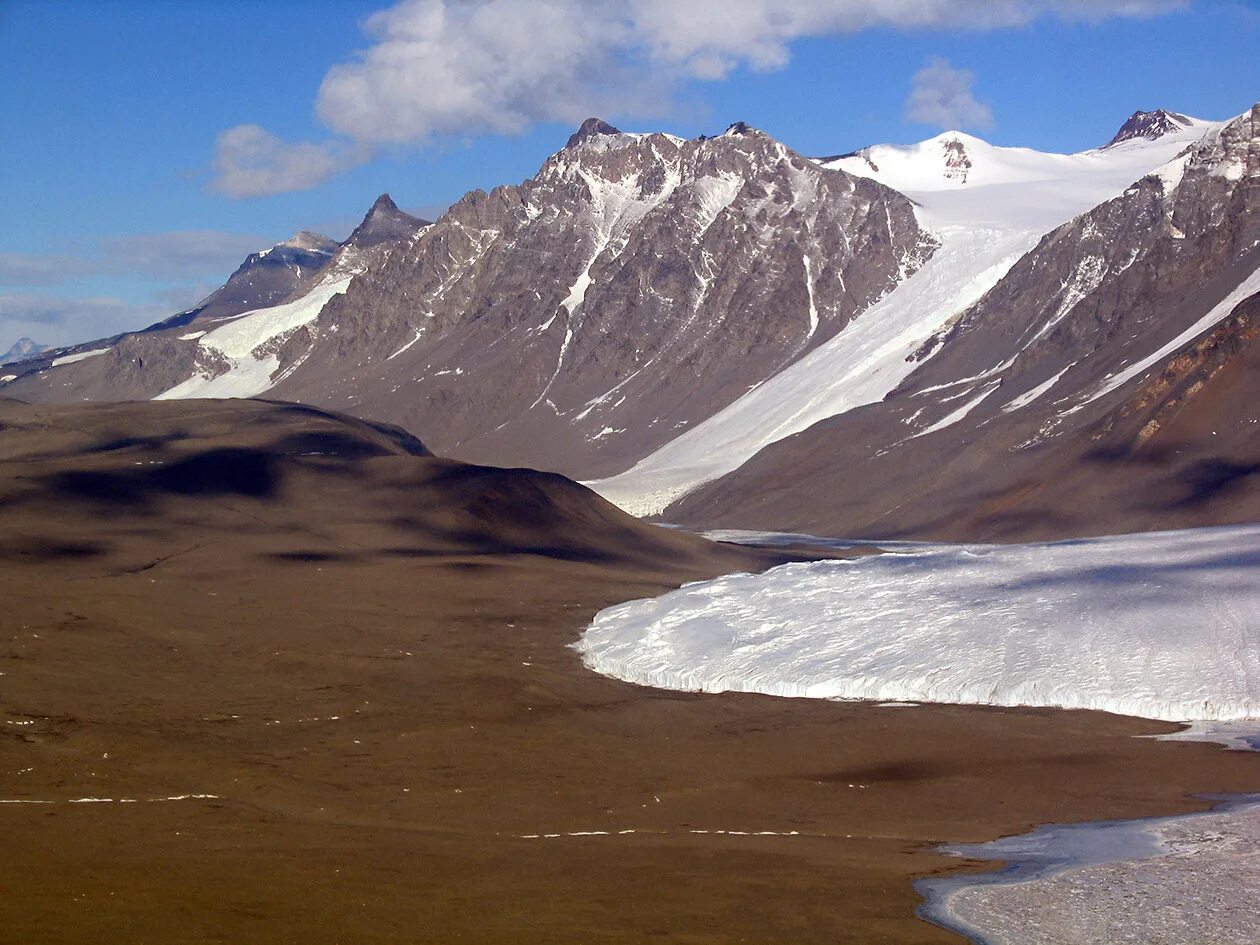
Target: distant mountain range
<point x="948" y="338"/>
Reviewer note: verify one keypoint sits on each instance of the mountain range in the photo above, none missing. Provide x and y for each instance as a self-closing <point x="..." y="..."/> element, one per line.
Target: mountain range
<point x="947" y="339"/>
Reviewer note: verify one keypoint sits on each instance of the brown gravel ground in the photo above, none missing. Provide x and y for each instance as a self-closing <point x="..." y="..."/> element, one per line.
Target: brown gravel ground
<point x="368" y="666"/>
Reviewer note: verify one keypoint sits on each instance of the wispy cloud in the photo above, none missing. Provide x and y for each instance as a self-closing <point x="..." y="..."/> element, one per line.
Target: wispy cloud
<point x="941" y="96"/>
<point x="172" y="271"/>
<point x="462" y="67"/>
<point x="178" y="256"/>
<point x="252" y="162"/>
<point x="60" y="320"/>
<point x="709" y="38"/>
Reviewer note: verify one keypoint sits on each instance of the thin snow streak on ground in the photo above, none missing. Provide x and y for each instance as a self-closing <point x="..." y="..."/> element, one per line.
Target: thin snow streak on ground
<point x="117" y="800"/>
<point x="672" y="833"/>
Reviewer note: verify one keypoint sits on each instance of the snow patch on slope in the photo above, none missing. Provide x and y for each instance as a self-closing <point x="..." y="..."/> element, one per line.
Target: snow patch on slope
<point x="1026" y="398"/>
<point x="77" y="357"/>
<point x="249" y="372"/>
<point x="1249" y="287"/>
<point x="1163" y="625"/>
<point x="713" y="195"/>
<point x="957" y="416"/>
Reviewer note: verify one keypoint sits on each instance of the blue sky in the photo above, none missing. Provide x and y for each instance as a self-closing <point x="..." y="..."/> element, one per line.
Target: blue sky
<point x="113" y="213"/>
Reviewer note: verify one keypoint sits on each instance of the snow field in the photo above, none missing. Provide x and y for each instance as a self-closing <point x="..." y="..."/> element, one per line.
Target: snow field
<point x="238" y="340"/>
<point x="77" y="357"/>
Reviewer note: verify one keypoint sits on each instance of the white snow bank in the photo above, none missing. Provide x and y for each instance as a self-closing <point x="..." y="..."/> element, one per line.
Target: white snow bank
<point x="239" y="339"/>
<point x="77" y="357"/>
<point x="1164" y="625"/>
<point x="1218" y="313"/>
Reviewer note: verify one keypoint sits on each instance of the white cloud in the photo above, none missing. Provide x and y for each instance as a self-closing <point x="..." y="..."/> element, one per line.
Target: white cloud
<point x="941" y="96"/>
<point x="708" y="38"/>
<point x="498" y="66"/>
<point x="252" y="162"/>
<point x="459" y="67"/>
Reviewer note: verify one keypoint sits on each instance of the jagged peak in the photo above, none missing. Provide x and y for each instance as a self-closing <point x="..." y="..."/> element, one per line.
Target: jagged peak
<point x="591" y="128"/>
<point x="383" y="204"/>
<point x="739" y="129"/>
<point x="384" y="223"/>
<point x="1151" y="126"/>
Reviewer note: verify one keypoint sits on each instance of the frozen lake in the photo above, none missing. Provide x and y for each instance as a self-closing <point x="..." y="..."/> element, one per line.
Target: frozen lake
<point x="1160" y="881"/>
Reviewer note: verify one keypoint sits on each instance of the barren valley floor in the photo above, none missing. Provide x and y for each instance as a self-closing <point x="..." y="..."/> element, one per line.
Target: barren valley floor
<point x="363" y="654"/>
<point x="379" y="735"/>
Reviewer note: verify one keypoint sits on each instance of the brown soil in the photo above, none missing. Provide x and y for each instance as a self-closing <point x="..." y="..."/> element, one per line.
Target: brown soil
<point x="368" y="666"/>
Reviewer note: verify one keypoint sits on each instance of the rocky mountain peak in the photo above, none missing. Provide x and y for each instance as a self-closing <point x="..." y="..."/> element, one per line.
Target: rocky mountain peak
<point x="384" y="223"/>
<point x="23" y="348"/>
<point x="739" y="129"/>
<point x="591" y="128"/>
<point x="384" y="204"/>
<point x="957" y="161"/>
<point x="1150" y="126"/>
<point x="309" y="242"/>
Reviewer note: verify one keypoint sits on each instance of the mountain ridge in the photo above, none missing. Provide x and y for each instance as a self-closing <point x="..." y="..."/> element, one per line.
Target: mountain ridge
<point x="653" y="313"/>
<point x="1113" y="339"/>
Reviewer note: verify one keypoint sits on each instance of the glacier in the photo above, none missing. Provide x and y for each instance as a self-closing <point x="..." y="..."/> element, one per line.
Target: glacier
<point x="1160" y="625"/>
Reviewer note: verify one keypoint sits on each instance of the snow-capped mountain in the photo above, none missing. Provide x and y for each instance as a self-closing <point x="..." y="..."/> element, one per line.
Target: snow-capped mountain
<point x="902" y="339"/>
<point x="22" y="349"/>
<point x="1153" y="126"/>
<point x="1105" y="382"/>
<point x="985" y="220"/>
<point x="634" y="286"/>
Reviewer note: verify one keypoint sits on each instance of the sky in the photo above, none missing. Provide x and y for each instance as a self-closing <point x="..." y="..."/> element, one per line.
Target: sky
<point x="150" y="145"/>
